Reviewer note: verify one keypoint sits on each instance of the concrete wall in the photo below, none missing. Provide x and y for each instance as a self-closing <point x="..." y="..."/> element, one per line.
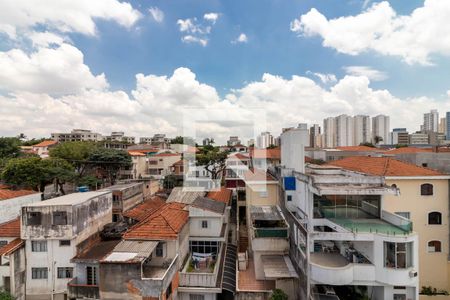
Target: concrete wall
<point x="433" y="267"/>
<point x="255" y="194"/>
<point x="10" y="208"/>
<point x="114" y="280"/>
<point x="207" y="296"/>
<point x="196" y="216"/>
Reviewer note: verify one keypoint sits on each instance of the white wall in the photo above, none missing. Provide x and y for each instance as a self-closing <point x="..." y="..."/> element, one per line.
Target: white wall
<point x="293" y="149"/>
<point x="10" y="208"/>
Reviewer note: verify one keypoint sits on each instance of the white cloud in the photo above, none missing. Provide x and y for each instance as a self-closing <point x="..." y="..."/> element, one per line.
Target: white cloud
<point x="366" y="3"/>
<point x="56" y="71"/>
<point x="242" y="38"/>
<point x="45" y="39"/>
<point x="324" y="78"/>
<point x="369" y="72"/>
<point x="64" y="15"/>
<point x="213" y="17"/>
<point x="157" y="14"/>
<point x="192" y="39"/>
<point x="380" y="29"/>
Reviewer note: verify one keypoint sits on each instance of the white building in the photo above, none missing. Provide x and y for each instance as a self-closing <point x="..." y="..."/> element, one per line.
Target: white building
<point x="119" y="136"/>
<point x="11" y="202"/>
<point x="55" y="231"/>
<point x="361" y="129"/>
<point x="329" y="135"/>
<point x="431" y="121"/>
<point x="381" y="128"/>
<point x="314" y="136"/>
<point x="264" y="140"/>
<point x="77" y="135"/>
<point x="233" y="141"/>
<point x="344" y="131"/>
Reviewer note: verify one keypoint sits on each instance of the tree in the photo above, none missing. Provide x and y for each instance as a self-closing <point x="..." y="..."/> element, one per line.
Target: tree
<point x="9" y="147"/>
<point x="59" y="171"/>
<point x="77" y="153"/>
<point x="278" y="294"/>
<point x="271" y="146"/>
<point x="183" y="140"/>
<point x="367" y="144"/>
<point x="5" y="296"/>
<point x="212" y="159"/>
<point x="378" y="139"/>
<point x="33" y="141"/>
<point x="110" y="161"/>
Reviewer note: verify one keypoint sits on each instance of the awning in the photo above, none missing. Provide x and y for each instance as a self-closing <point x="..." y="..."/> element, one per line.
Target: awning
<point x="229" y="270"/>
<point x="278" y="266"/>
<point x="131" y="251"/>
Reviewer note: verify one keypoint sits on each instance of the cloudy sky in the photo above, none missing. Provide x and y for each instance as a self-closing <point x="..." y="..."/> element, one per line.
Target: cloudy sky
<point x="141" y="66"/>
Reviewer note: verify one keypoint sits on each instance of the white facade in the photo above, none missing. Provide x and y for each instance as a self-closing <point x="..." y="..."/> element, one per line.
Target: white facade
<point x="10" y="208"/>
<point x="431" y="121"/>
<point x="329" y="136"/>
<point x="77" y="135"/>
<point x="381" y="128"/>
<point x="361" y="129"/>
<point x="264" y="140"/>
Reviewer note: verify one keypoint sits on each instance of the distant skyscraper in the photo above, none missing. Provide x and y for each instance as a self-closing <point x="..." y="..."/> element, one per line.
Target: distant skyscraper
<point x="329" y="136"/>
<point x="381" y="128"/>
<point x="399" y="136"/>
<point x="264" y="140"/>
<point x="447" y="118"/>
<point x="443" y="125"/>
<point x="431" y="121"/>
<point x="344" y="131"/>
<point x="361" y="129"/>
<point x="314" y="132"/>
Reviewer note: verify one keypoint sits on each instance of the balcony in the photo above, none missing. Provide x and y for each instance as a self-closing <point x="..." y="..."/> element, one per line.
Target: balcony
<point x="158" y="277"/>
<point x="78" y="290"/>
<point x="270" y="232"/>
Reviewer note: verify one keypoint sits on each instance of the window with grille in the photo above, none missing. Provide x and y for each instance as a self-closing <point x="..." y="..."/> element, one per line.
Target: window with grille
<point x="65" y="272"/>
<point x="435" y="218"/>
<point x="196" y="297"/>
<point x="39" y="273"/>
<point x="204" y="224"/>
<point x="434" y="246"/>
<point x="59" y="218"/>
<point x="91" y="275"/>
<point x="426" y="189"/>
<point x="63" y="243"/>
<point x="38" y="246"/>
<point x="34" y="218"/>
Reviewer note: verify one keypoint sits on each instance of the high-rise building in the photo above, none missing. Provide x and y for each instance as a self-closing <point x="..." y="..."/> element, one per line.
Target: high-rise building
<point x="447" y="132"/>
<point x="233" y="141"/>
<point x="314" y="132"/>
<point x="381" y="129"/>
<point x="399" y="136"/>
<point x="264" y="140"/>
<point x="344" y="131"/>
<point x="443" y="126"/>
<point x="361" y="129"/>
<point x="431" y="121"/>
<point x="329" y="136"/>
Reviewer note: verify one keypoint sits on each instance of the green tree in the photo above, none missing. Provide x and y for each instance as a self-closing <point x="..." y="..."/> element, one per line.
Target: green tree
<point x="378" y="139"/>
<point x="110" y="161"/>
<point x="9" y="147"/>
<point x="183" y="140"/>
<point x="367" y="144"/>
<point x="5" y="296"/>
<point x="77" y="153"/>
<point x="59" y="171"/>
<point x="278" y="294"/>
<point x="32" y="142"/>
<point x="212" y="159"/>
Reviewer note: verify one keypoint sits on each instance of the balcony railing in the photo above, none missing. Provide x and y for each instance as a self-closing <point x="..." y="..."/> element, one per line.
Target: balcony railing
<point x="80" y="291"/>
<point x="270" y="232"/>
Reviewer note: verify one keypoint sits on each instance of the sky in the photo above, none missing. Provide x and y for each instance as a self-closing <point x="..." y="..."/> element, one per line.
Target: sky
<point x="143" y="67"/>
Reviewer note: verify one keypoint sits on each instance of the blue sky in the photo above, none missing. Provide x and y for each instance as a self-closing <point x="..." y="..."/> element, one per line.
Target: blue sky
<point x="115" y="66"/>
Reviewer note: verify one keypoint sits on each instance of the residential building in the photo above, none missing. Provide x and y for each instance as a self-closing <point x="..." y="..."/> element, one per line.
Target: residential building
<point x="381" y="129"/>
<point x="233" y="140"/>
<point x="329" y="132"/>
<point x="207" y="141"/>
<point x="159" y="165"/>
<point x="344" y="130"/>
<point x="12" y="260"/>
<point x="251" y="143"/>
<point x="125" y="197"/>
<point x="342" y="235"/>
<point x="431" y="121"/>
<point x="42" y="148"/>
<point x="419" y="138"/>
<point x="447" y="129"/>
<point x="399" y="136"/>
<point x="361" y="130"/>
<point x="119" y="136"/>
<point x="443" y="126"/>
<point x="423" y="200"/>
<point x="314" y="136"/>
<point x="436" y="138"/>
<point x="236" y="165"/>
<point x="138" y="168"/>
<point x="77" y="135"/>
<point x="158" y="140"/>
<point x="54" y="232"/>
<point x="436" y="158"/>
<point x="146" y="263"/>
<point x="264" y="158"/>
<point x="11" y="202"/>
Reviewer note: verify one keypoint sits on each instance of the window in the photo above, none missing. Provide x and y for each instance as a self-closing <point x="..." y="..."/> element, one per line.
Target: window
<point x="398" y="255"/>
<point x="3" y="243"/>
<point x="204" y="224"/>
<point x="38" y="246"/>
<point x="159" y="251"/>
<point x="34" y="218"/>
<point x="434" y="246"/>
<point x="153" y="162"/>
<point x="404" y="214"/>
<point x="434" y="218"/>
<point x="63" y="243"/>
<point x="59" y="218"/>
<point x="425" y="165"/>
<point x="204" y="246"/>
<point x="196" y="297"/>
<point x="289" y="198"/>
<point x="426" y="189"/>
<point x="65" y="272"/>
<point x="91" y="275"/>
<point x="39" y="273"/>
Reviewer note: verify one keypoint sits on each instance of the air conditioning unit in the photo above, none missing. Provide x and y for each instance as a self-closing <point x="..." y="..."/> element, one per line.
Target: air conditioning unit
<point x="412" y="273"/>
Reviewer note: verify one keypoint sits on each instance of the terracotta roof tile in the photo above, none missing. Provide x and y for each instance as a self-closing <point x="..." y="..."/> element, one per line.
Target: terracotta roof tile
<point x="145" y="209"/>
<point x="11" y="247"/>
<point x="164" y="224"/>
<point x="46" y="143"/>
<point x="383" y="166"/>
<point x="242" y="156"/>
<point x="166" y="154"/>
<point x="360" y="148"/>
<point x="10" y="228"/>
<point x="408" y="150"/>
<point x="136" y="153"/>
<point x="274" y="153"/>
<point x="8" y="194"/>
<point x="224" y="195"/>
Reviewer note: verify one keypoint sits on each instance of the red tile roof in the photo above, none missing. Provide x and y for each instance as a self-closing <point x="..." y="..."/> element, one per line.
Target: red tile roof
<point x="360" y="148"/>
<point x="274" y="153"/>
<point x="9" y="194"/>
<point x="10" y="228"/>
<point x="224" y="195"/>
<point x="382" y="166"/>
<point x="11" y="247"/>
<point x="46" y="143"/>
<point x="135" y="153"/>
<point x="145" y="209"/>
<point x="408" y="150"/>
<point x="164" y="224"/>
<point x="242" y="156"/>
<point x="258" y="175"/>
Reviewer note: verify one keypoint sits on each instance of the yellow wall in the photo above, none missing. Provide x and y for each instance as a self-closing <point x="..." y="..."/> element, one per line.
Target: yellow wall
<point x="433" y="267"/>
<point x="254" y="192"/>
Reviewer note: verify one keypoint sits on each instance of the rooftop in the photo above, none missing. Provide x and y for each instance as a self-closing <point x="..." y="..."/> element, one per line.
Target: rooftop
<point x="120" y="187"/>
<point x="209" y="204"/>
<point x="383" y="166"/>
<point x="46" y="143"/>
<point x="71" y="199"/>
<point x="163" y="224"/>
<point x="247" y="280"/>
<point x="258" y="175"/>
<point x="267" y="213"/>
<point x="145" y="209"/>
<point x="10" y="228"/>
<point x="184" y="195"/>
<point x="135" y="153"/>
<point x="6" y="193"/>
<point x="131" y="252"/>
<point x="223" y="195"/>
<point x="274" y="153"/>
<point x="11" y="247"/>
<point x="166" y="154"/>
<point x="402" y="150"/>
<point x="98" y="251"/>
<point x="360" y="149"/>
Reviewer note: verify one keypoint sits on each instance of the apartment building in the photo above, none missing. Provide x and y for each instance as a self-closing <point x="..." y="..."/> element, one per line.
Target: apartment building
<point x="381" y="128"/>
<point x="233" y="140"/>
<point x="399" y="136"/>
<point x="77" y="135"/>
<point x="264" y="158"/>
<point x="315" y="137"/>
<point x="54" y="231"/>
<point x="264" y="140"/>
<point x="138" y="168"/>
<point x="158" y="140"/>
<point x="419" y="138"/>
<point x="125" y="197"/>
<point x="159" y="165"/>
<point x="12" y="260"/>
<point x="423" y="200"/>
<point x="431" y="121"/>
<point x="361" y="130"/>
<point x="236" y="165"/>
<point x="119" y="136"/>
